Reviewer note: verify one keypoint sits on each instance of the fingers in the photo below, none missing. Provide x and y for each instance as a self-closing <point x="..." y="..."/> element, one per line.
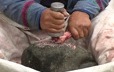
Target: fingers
<point x="79" y="31"/>
<point x="60" y="15"/>
<point x="57" y="21"/>
<point x="50" y="27"/>
<point x="57" y="15"/>
<point x="58" y="27"/>
<point x="54" y="23"/>
<point x="51" y="21"/>
<point x="85" y="30"/>
<point x="74" y="33"/>
<point x="65" y="13"/>
<point x="82" y="32"/>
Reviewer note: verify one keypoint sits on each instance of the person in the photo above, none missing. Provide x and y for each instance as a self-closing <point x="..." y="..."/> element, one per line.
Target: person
<point x="37" y="15"/>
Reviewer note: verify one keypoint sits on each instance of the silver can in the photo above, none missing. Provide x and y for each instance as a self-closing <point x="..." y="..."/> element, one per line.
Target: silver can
<point x="58" y="7"/>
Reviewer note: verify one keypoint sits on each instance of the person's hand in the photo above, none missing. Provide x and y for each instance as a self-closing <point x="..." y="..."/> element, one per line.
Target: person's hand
<point x="79" y="24"/>
<point x="52" y="21"/>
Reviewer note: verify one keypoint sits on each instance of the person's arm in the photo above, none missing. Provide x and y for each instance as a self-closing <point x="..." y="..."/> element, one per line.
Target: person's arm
<point x="91" y="7"/>
<point x="88" y="6"/>
<point x="80" y="19"/>
<point x="102" y="4"/>
<point x="25" y="12"/>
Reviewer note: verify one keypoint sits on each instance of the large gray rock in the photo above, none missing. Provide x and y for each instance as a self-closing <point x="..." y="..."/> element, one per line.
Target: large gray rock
<point x="70" y="55"/>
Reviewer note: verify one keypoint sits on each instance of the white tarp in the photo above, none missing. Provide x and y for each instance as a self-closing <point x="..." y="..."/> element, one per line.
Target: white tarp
<point x="8" y="66"/>
<point x="108" y="67"/>
<point x="103" y="22"/>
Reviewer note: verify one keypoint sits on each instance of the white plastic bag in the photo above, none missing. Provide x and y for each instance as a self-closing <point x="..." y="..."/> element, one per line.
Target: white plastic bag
<point x="102" y="35"/>
<point x="12" y="40"/>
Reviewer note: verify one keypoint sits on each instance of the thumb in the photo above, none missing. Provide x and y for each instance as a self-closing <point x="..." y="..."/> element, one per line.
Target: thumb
<point x="65" y="13"/>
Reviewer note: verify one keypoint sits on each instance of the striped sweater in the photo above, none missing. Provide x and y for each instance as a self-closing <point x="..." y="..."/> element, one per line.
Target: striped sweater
<point x="102" y="3"/>
<point x="28" y="12"/>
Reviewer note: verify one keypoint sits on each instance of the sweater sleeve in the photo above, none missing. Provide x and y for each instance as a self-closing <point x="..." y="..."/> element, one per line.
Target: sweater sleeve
<point x="102" y="4"/>
<point x="91" y="7"/>
<point x="88" y="6"/>
<point x="25" y="12"/>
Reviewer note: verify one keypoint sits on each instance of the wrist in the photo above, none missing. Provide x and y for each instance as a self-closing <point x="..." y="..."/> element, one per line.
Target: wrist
<point x="84" y="14"/>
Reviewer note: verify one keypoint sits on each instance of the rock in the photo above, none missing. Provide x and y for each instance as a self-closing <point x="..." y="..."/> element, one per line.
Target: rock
<point x="70" y="55"/>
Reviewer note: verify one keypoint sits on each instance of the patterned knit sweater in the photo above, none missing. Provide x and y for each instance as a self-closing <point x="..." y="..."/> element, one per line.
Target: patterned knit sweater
<point x="28" y="12"/>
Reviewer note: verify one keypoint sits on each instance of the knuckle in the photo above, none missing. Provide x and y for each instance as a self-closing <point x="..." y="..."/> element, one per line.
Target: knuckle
<point x="60" y="16"/>
<point x="45" y="23"/>
<point x="46" y="18"/>
<point x="62" y="21"/>
<point x="61" y="26"/>
<point x="88" y="24"/>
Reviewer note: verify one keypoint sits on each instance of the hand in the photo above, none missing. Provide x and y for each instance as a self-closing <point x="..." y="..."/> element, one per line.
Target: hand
<point x="52" y="21"/>
<point x="79" y="24"/>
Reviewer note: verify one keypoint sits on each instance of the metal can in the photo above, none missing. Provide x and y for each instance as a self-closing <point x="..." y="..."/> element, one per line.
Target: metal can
<point x="58" y="7"/>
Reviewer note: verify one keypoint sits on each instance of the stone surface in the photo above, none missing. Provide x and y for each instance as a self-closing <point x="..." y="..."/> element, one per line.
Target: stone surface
<point x="70" y="55"/>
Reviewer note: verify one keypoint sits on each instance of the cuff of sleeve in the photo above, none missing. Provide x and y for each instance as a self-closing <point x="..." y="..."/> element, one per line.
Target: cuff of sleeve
<point x="89" y="7"/>
<point x="24" y="12"/>
<point x="34" y="14"/>
<point x="85" y="11"/>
